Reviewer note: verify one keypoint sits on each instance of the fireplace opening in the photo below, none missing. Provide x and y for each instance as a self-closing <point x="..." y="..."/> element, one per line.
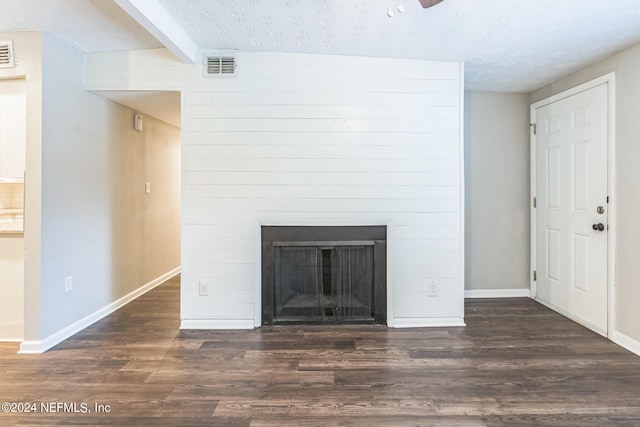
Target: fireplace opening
<point x="323" y="275"/>
<point x="327" y="284"/>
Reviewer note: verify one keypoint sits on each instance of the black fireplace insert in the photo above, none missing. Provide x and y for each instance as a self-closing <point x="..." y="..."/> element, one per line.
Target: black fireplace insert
<point x="324" y="275"/>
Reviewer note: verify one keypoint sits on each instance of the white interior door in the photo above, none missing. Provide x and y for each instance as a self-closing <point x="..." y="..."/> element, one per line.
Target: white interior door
<point x="571" y="214"/>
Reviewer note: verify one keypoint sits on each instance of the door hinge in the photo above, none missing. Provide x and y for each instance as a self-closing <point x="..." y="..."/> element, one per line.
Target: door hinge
<point x="534" y="127"/>
<point x="535" y="203"/>
<point x="607" y="199"/>
<point x="535" y="276"/>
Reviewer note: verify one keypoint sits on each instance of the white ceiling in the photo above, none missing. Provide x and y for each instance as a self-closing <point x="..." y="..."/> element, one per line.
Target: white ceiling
<point x="507" y="45"/>
<point x="161" y="105"/>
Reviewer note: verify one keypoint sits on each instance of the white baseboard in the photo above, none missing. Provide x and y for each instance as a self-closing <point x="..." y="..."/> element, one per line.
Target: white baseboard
<point x="217" y="324"/>
<point x="624" y="341"/>
<point x="427" y="322"/>
<point x="31" y="347"/>
<point x="39" y="347"/>
<point x="496" y="293"/>
<point x="430" y="322"/>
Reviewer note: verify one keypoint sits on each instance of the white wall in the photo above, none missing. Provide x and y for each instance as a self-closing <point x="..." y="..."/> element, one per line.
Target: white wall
<point x="497" y="192"/>
<point x="312" y="140"/>
<point x="96" y="225"/>
<point x="626" y="65"/>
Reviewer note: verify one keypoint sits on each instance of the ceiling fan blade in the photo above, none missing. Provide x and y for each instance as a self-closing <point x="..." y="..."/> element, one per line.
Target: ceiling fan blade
<point x="429" y="3"/>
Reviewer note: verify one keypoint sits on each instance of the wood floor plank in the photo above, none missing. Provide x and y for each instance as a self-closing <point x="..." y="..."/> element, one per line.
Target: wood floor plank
<point x="319" y="408"/>
<point x="390" y="421"/>
<point x="516" y="363"/>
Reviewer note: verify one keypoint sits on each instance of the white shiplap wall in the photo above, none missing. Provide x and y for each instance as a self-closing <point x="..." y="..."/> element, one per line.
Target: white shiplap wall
<point x="312" y="140"/>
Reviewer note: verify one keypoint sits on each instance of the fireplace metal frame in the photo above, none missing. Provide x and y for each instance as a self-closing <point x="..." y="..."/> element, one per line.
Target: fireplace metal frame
<point x="323" y="236"/>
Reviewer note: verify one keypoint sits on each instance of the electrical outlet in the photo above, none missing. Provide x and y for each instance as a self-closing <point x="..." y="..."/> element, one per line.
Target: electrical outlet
<point x="68" y="283"/>
<point x="203" y="288"/>
<point x="433" y="288"/>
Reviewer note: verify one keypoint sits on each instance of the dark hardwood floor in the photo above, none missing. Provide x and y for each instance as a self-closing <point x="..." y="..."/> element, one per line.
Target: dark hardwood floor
<point x="515" y="364"/>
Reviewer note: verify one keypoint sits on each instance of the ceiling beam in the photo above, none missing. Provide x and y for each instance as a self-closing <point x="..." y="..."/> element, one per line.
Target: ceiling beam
<point x="157" y="20"/>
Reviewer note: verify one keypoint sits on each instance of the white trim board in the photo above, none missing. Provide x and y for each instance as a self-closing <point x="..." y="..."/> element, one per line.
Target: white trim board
<point x="626" y="342"/>
<point x="427" y="322"/>
<point x="216" y="324"/>
<point x="154" y="18"/>
<point x="460" y="288"/>
<point x="496" y="293"/>
<point x="39" y="347"/>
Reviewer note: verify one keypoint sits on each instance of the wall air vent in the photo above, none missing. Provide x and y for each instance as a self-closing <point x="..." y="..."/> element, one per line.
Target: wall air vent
<point x="6" y="54"/>
<point x="219" y="66"/>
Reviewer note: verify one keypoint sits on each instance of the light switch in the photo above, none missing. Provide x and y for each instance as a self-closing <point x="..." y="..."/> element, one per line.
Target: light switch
<point x="68" y="283"/>
<point x="137" y="122"/>
<point x="203" y="288"/>
<point x="433" y="288"/>
<point x="147" y="188"/>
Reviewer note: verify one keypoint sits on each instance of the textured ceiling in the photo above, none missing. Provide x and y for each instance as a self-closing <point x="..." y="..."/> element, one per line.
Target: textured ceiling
<point x="507" y="45"/>
<point x="89" y="25"/>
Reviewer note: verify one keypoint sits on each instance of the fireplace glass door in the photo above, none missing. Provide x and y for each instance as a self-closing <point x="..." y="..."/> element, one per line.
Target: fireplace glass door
<point x="323" y="284"/>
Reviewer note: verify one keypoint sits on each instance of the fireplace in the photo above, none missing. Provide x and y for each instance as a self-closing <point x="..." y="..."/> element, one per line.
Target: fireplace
<point x="324" y="275"/>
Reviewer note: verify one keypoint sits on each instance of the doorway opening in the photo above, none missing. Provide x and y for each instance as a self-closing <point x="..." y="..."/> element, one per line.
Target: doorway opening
<point x="147" y="243"/>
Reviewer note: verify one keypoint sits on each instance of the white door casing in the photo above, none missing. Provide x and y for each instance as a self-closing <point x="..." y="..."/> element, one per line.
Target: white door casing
<point x="570" y="184"/>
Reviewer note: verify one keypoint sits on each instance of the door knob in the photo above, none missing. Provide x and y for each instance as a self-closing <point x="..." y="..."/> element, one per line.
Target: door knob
<point x="598" y="227"/>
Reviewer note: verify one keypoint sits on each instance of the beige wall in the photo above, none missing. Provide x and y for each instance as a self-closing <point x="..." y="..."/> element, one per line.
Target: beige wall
<point x="626" y="65"/>
<point x="28" y="64"/>
<point x="11" y="264"/>
<point x="95" y="223"/>
<point x="11" y="287"/>
<point x="145" y="229"/>
<point x="496" y="191"/>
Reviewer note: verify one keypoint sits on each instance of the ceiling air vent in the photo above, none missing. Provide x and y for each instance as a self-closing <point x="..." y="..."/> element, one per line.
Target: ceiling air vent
<point x="220" y="66"/>
<point x="6" y="54"/>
